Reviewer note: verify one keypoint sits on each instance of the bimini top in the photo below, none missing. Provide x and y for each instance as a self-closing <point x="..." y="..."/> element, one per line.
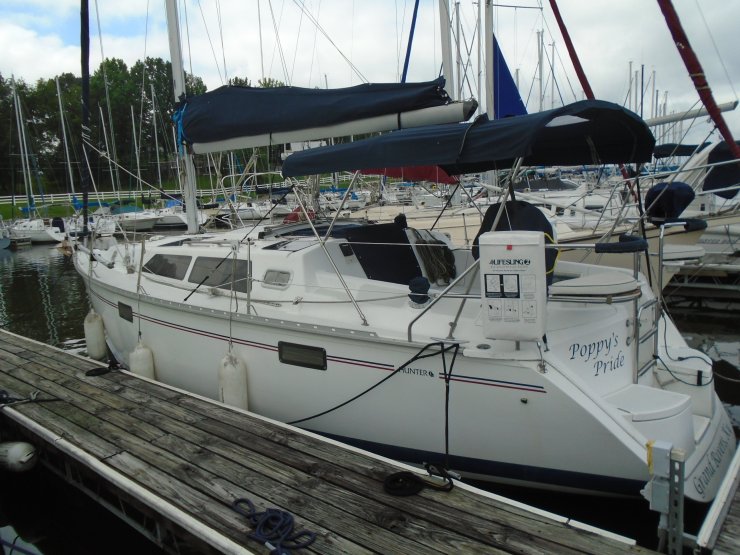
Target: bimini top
<point x="240" y="117"/>
<point x="586" y="132"/>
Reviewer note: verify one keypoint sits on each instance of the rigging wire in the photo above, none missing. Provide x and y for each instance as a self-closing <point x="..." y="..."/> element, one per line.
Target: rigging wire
<point x="716" y="50"/>
<point x="143" y="80"/>
<point x="221" y="36"/>
<point x="276" y="28"/>
<point x="313" y="48"/>
<point x="221" y="76"/>
<point x="302" y="6"/>
<point x="116" y="176"/>
<point x="295" y="51"/>
<point x="190" y="53"/>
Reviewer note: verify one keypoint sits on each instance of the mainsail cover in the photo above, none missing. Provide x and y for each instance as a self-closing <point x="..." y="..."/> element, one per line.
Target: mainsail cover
<point x="585" y="132"/>
<point x="239" y="117"/>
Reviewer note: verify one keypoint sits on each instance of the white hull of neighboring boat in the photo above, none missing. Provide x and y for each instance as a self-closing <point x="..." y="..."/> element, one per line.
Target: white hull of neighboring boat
<point x="38" y="231"/>
<point x="137" y="221"/>
<point x="560" y="416"/>
<point x="722" y="239"/>
<point x="101" y="226"/>
<point x="170" y="218"/>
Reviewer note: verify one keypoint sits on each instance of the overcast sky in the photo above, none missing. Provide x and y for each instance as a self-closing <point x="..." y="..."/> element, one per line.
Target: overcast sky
<point x="358" y="41"/>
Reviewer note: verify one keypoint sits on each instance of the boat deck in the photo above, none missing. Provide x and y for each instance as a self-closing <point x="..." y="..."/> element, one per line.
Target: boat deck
<point x="172" y="463"/>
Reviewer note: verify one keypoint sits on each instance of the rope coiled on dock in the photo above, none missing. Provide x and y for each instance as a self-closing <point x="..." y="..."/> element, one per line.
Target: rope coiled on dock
<point x="273" y="527"/>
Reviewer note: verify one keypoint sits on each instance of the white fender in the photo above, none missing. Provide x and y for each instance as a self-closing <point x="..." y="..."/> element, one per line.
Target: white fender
<point x="232" y="382"/>
<point x="95" y="336"/>
<point x="17" y="456"/>
<point x="141" y="361"/>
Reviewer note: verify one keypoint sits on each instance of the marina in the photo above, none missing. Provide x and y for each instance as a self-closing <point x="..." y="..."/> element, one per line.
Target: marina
<point x="512" y="380"/>
<point x="42" y="297"/>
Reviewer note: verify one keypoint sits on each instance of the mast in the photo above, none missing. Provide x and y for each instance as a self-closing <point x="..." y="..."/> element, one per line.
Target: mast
<point x="411" y="40"/>
<point x="540" y="38"/>
<point x="578" y="67"/>
<point x="444" y="27"/>
<point x="572" y="51"/>
<point x="27" y="182"/>
<point x="178" y="84"/>
<point x="64" y="136"/>
<point x="696" y="73"/>
<point x="85" y="63"/>
<point x="490" y="99"/>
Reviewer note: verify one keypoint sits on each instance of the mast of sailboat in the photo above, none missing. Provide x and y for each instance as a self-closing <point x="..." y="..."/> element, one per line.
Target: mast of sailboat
<point x="411" y="41"/>
<point x="85" y="66"/>
<point x="488" y="45"/>
<point x="444" y="27"/>
<point x="178" y="84"/>
<point x="582" y="79"/>
<point x="27" y="182"/>
<point x="67" y="159"/>
<point x="590" y="95"/>
<point x="696" y="73"/>
<point x="572" y="51"/>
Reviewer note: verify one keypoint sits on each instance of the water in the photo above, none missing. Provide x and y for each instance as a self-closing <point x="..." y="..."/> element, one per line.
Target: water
<point x="42" y="297"/>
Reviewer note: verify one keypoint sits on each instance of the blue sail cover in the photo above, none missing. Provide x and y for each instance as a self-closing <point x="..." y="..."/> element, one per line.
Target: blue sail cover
<point x="727" y="175"/>
<point x="506" y="98"/>
<point x="668" y="150"/>
<point x="666" y="201"/>
<point x="585" y="132"/>
<point x="233" y="112"/>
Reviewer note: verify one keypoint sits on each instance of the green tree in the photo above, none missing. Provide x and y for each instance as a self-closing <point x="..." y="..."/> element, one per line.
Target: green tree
<point x="240" y="82"/>
<point x="144" y="89"/>
<point x="269" y="83"/>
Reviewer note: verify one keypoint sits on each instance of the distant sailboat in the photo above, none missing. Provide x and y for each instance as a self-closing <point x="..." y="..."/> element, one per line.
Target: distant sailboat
<point x="37" y="229"/>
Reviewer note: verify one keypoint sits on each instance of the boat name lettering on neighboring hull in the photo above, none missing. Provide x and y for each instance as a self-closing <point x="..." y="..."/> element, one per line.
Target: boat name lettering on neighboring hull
<point x="595" y="349"/>
<point x="714" y="460"/>
<point x="418" y="371"/>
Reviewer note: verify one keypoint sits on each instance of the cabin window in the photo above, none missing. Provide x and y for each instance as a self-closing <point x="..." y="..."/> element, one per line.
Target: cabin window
<point x="168" y="265"/>
<point x="217" y="272"/>
<point x="302" y="355"/>
<point x="276" y="278"/>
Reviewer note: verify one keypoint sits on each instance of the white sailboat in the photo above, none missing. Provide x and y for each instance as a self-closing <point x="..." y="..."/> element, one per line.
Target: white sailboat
<point x="33" y="228"/>
<point x="502" y="366"/>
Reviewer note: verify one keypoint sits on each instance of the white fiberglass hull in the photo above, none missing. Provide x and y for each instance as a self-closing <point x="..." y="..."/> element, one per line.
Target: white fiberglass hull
<point x="38" y="231"/>
<point x="508" y="419"/>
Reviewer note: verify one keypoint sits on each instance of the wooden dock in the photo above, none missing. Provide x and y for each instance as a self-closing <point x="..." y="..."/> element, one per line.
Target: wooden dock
<point x="720" y="533"/>
<point x="172" y="463"/>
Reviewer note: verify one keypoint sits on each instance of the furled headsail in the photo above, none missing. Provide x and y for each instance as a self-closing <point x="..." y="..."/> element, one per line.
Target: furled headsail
<point x="241" y="117"/>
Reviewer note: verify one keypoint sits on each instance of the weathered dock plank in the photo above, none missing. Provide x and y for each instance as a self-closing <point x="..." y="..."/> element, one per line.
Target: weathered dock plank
<point x="197" y="456"/>
<point x="728" y="542"/>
